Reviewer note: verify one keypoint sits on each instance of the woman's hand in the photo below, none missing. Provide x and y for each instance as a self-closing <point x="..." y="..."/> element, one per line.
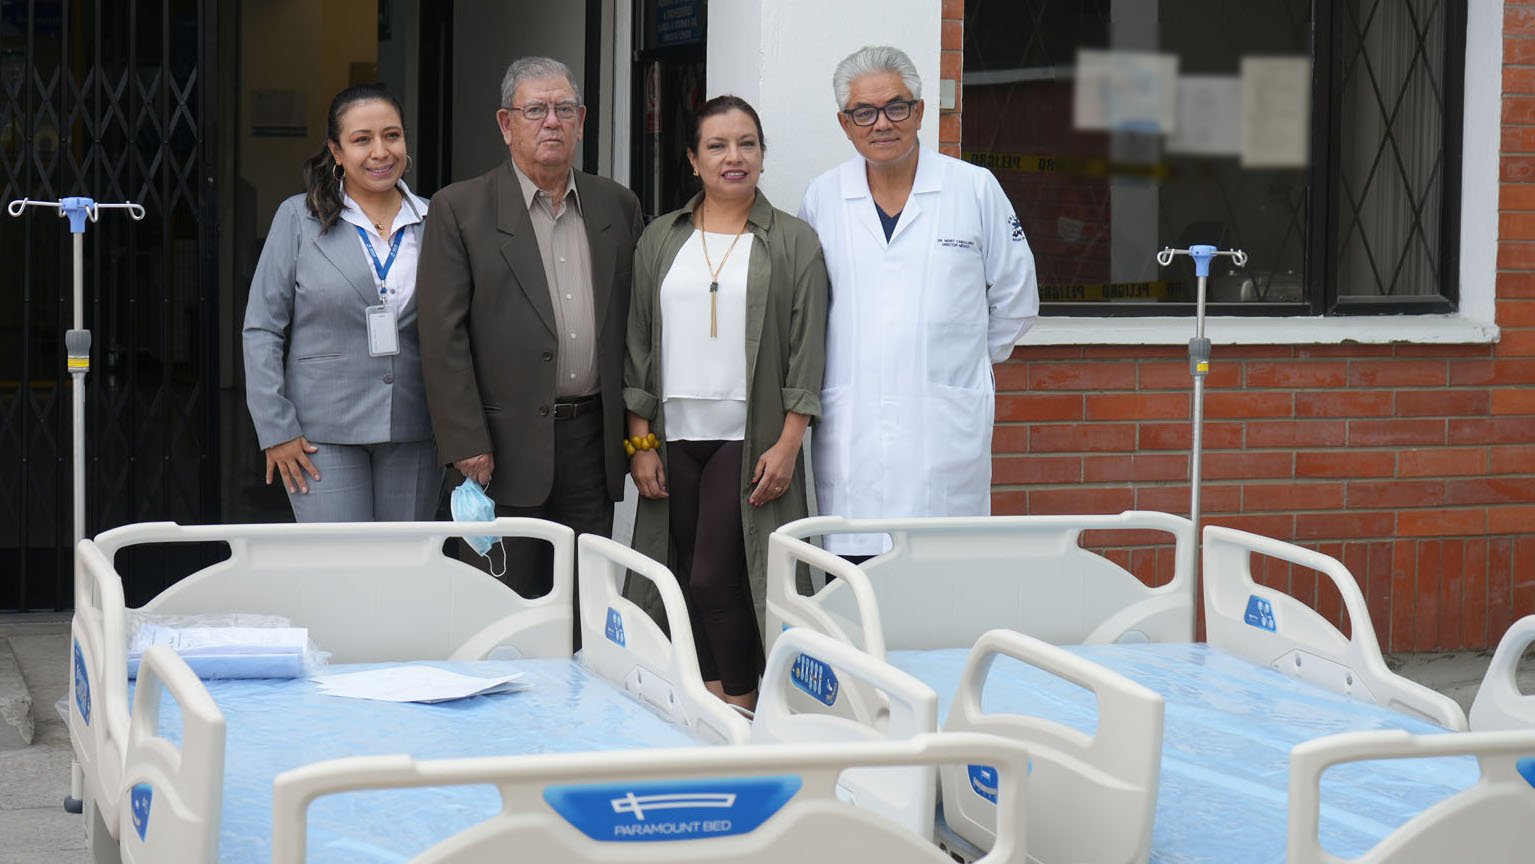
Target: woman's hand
<point x="291" y="458"/>
<point x="649" y="476"/>
<point x="775" y="468"/>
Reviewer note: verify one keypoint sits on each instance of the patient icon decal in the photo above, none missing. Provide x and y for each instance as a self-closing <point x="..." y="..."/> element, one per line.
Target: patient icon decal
<point x="659" y="810"/>
<point x="138" y="802"/>
<point x="1260" y="613"/>
<point x="983" y="779"/>
<point x="615" y="628"/>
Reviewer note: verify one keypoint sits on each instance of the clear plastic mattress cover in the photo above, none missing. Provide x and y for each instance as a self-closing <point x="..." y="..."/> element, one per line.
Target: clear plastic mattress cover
<point x="275" y="725"/>
<point x="1226" y="740"/>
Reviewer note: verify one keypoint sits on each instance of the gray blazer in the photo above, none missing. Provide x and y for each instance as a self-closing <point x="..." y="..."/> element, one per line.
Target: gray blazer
<point x="307" y="369"/>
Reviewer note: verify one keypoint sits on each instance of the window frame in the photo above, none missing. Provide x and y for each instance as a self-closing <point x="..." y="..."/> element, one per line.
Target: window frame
<point x="1323" y="189"/>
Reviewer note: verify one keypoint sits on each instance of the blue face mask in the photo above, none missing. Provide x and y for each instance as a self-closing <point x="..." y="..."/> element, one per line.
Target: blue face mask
<point x="471" y="504"/>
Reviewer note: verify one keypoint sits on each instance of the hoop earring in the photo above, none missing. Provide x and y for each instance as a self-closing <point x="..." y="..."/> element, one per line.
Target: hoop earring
<point x="410" y="164"/>
<point x="337" y="172"/>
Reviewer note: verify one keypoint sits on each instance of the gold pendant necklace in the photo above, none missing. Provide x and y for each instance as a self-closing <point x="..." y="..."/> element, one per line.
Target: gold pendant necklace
<point x="714" y="272"/>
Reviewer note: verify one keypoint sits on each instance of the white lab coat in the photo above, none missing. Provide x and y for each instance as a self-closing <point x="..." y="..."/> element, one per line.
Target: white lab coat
<point x="912" y="330"/>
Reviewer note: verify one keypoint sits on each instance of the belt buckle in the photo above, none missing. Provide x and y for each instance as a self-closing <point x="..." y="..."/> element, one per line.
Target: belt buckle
<point x="564" y="411"/>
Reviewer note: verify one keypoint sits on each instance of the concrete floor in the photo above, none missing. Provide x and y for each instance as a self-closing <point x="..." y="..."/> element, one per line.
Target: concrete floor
<point x="35" y="828"/>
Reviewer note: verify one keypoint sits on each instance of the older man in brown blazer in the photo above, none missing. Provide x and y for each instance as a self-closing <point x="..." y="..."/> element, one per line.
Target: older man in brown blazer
<point x="523" y="297"/>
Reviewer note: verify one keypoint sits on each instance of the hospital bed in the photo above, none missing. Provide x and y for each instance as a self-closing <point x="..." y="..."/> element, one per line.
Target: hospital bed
<point x="367" y="593"/>
<point x="173" y="798"/>
<point x="1256" y="633"/>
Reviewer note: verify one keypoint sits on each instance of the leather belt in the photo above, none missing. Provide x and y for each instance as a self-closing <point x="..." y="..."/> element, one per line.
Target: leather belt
<point x="577" y="407"/>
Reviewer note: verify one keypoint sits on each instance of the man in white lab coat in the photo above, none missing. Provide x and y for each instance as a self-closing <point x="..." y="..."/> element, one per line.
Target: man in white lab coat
<point x="932" y="281"/>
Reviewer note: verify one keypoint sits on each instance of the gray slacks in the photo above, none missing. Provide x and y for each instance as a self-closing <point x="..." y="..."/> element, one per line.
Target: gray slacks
<point x="390" y="482"/>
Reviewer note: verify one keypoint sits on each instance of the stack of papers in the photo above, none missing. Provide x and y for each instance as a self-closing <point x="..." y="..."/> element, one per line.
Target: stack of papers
<point x="227" y="652"/>
<point x="414" y="684"/>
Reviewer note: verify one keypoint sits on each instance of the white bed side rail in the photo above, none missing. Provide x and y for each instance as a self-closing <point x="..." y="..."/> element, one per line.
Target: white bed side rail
<point x="1271" y="628"/>
<point x="620" y="642"/>
<point x="98" y="712"/>
<point x="1499" y="704"/>
<point x="755" y="805"/>
<point x="822" y="668"/>
<point x="947" y="580"/>
<point x="1492" y="822"/>
<point x="171" y="796"/>
<point x="787" y="608"/>
<point x="373" y="591"/>
<point x="1091" y="797"/>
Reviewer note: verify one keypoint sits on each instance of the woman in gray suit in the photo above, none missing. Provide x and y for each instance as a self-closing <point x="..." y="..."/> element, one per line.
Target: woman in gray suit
<point x="332" y="363"/>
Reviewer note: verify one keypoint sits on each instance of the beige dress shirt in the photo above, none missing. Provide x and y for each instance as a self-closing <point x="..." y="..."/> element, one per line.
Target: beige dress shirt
<point x="567" y="257"/>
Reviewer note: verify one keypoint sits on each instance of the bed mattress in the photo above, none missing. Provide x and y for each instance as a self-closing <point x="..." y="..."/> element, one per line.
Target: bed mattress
<point x="1227" y="734"/>
<point x="274" y="725"/>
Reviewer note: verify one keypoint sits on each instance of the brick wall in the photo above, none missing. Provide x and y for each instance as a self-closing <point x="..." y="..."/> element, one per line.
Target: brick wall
<point x="1413" y="464"/>
<point x="951" y="65"/>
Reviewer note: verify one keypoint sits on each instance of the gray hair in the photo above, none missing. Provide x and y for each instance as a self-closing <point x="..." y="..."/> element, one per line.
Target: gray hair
<point x="534" y="68"/>
<point x="871" y="60"/>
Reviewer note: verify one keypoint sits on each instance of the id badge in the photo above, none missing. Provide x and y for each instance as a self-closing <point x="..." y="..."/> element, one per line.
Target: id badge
<point x="383" y="332"/>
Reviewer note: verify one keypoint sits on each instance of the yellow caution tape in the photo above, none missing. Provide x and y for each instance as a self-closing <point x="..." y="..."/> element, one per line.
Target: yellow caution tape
<point x="1107" y="291"/>
<point x="1025" y="163"/>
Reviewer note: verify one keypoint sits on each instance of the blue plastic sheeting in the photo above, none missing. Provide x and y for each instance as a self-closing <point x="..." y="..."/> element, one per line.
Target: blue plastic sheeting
<point x="276" y="725"/>
<point x="1226" y="741"/>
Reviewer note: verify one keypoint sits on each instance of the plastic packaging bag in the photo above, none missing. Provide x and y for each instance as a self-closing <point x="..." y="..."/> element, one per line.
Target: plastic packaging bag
<point x="227" y="645"/>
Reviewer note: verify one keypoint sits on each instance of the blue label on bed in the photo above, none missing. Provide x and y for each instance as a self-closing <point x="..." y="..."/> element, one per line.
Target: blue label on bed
<point x="815" y="678"/>
<point x="983" y="779"/>
<point x="1526" y="769"/>
<point x="138" y="801"/>
<point x="615" y="628"/>
<point x="1260" y="613"/>
<point x="82" y="686"/>
<point x="671" y="809"/>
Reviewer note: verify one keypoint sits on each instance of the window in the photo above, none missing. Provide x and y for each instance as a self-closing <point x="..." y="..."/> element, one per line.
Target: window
<point x="1321" y="136"/>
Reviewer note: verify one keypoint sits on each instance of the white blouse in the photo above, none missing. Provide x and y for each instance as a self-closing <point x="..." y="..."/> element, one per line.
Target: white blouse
<point x="703" y="378"/>
<point x="396" y="290"/>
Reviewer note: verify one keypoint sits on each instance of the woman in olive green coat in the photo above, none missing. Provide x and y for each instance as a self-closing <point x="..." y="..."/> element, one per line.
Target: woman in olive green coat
<point x="741" y="343"/>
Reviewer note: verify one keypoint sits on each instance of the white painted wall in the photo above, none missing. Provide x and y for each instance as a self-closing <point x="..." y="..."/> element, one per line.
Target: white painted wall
<point x="779" y="55"/>
<point x="488" y="35"/>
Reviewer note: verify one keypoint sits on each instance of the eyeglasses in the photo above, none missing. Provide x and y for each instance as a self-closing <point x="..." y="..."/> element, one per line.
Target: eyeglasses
<point x="538" y="110"/>
<point x="895" y="112"/>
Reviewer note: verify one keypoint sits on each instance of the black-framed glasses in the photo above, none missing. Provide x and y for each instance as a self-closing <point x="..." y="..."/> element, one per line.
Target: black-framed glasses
<point x="538" y="110"/>
<point x="895" y="112"/>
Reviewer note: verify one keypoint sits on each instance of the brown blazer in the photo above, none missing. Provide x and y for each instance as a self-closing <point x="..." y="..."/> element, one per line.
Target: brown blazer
<point x="487" y="328"/>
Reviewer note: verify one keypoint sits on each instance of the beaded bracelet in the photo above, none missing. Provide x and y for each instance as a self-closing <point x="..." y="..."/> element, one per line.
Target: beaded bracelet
<point x="638" y="443"/>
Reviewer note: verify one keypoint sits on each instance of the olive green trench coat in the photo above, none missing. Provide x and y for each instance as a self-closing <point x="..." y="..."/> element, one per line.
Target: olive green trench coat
<point x="786" y="297"/>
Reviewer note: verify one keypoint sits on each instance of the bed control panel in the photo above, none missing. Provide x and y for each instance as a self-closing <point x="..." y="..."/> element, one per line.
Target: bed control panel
<point x="1260" y="613"/>
<point x="614" y="629"/>
<point x="139" y="799"/>
<point x="816" y="678"/>
<point x="82" y="685"/>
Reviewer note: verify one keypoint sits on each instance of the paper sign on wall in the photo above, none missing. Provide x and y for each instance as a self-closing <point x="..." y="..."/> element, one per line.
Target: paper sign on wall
<point x="1126" y="91"/>
<point x="1209" y="116"/>
<point x="1276" y="112"/>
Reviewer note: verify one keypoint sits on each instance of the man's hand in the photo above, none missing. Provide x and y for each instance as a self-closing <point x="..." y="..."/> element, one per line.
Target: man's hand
<point x="477" y="468"/>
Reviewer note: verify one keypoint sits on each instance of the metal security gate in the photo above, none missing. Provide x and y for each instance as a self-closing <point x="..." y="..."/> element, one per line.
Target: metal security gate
<point x="112" y="99"/>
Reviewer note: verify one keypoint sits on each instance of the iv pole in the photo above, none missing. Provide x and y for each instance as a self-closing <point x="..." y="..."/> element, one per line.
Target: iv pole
<point x="77" y="347"/>
<point x="1199" y="366"/>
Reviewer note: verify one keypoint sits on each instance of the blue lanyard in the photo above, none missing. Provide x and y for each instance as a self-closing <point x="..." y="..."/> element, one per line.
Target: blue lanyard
<point x="394" y="249"/>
